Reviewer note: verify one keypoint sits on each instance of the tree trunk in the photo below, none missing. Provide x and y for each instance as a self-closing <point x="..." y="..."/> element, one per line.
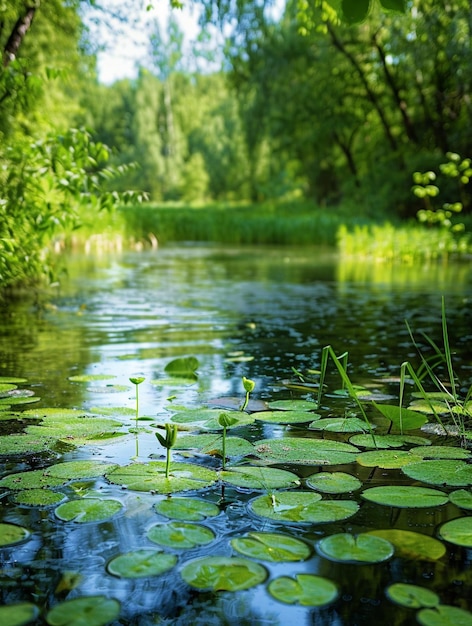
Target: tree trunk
<point x="23" y="24"/>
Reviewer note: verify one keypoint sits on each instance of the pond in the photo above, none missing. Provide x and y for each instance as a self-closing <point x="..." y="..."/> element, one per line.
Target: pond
<point x="315" y="518"/>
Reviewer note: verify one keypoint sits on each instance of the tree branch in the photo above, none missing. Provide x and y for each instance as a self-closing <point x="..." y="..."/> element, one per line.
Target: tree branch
<point x="23" y="24"/>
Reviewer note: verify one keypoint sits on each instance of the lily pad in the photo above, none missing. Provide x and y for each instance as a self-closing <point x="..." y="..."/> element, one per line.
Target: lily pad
<point x="387" y="459"/>
<point x="272" y="547"/>
<point x="90" y="378"/>
<point x="141" y="563"/>
<point x="458" y="531"/>
<point x="412" y="596"/>
<point x="88" y="510"/>
<point x="37" y="497"/>
<point x="151" y="477"/>
<point x="404" y="419"/>
<point x="305" y="451"/>
<point x="429" y="408"/>
<point x="181" y="535"/>
<point x="362" y="548"/>
<point x="443" y="615"/>
<point x="405" y="496"/>
<point x="388" y="441"/>
<point x="301" y="507"/>
<point x="443" y="452"/>
<point x="13" y="379"/>
<point x="10" y="400"/>
<point x="213" y="444"/>
<point x="87" y="611"/>
<point x="80" y="469"/>
<point x="293" y="405"/>
<point x="342" y="425"/>
<point x="259" y="478"/>
<point x="284" y="417"/>
<point x="77" y="430"/>
<point x="207" y="419"/>
<point x="183" y="367"/>
<point x="11" y="534"/>
<point x="304" y="589"/>
<point x="451" y="473"/>
<point x="114" y="411"/>
<point x="333" y="482"/>
<point x="32" y="479"/>
<point x="6" y="387"/>
<point x="190" y="509"/>
<point x="24" y="444"/>
<point x="18" y="614"/>
<point x="219" y="573"/>
<point x="411" y="545"/>
<point x="462" y="498"/>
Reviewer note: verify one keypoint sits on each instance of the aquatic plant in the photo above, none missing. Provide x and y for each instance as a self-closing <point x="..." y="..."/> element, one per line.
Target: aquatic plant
<point x="168" y="442"/>
<point x="137" y="380"/>
<point x="249" y="386"/>
<point x="225" y="420"/>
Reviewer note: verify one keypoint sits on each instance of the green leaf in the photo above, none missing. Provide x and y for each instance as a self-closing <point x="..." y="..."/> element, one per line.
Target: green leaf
<point x="394" y="5"/>
<point x="462" y="499"/>
<point x="71" y="470"/>
<point x="266" y="478"/>
<point x="180" y="535"/>
<point x="301" y="507"/>
<point x="141" y="563"/>
<point x="355" y="10"/>
<point x="412" y="596"/>
<point x="404" y="419"/>
<point x="284" y="417"/>
<point x="304" y="589"/>
<point x="18" y="614"/>
<point x="411" y="545"/>
<point x="293" y="405"/>
<point x="87" y="611"/>
<point x="37" y="497"/>
<point x="388" y="441"/>
<point x="90" y="378"/>
<point x="183" y="367"/>
<point x="219" y="573"/>
<point x="304" y="451"/>
<point x="207" y="419"/>
<point x="363" y="548"/>
<point x="333" y="482"/>
<point x="272" y="547"/>
<point x="458" y="531"/>
<point x="11" y="534"/>
<point x="151" y="477"/>
<point x="403" y="496"/>
<point x="444" y="615"/>
<point x="342" y="425"/>
<point x="387" y="459"/>
<point x="33" y="479"/>
<point x="451" y="473"/>
<point x="191" y="509"/>
<point x="213" y="444"/>
<point x="88" y="510"/>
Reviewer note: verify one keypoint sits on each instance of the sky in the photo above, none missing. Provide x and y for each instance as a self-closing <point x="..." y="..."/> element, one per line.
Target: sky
<point x="127" y="45"/>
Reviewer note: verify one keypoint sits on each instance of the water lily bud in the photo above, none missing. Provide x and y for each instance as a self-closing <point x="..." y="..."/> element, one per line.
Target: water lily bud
<point x="248" y="384"/>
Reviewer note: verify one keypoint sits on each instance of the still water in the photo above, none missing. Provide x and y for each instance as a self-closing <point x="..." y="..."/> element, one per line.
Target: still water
<point x="254" y="312"/>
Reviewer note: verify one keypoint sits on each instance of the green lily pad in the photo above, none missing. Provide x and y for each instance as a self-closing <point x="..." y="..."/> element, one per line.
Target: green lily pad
<point x="429" y="408"/>
<point x="18" y="614"/>
<point x="77" y="430"/>
<point x="301" y="507"/>
<point x="183" y="367"/>
<point x="341" y="425"/>
<point x="90" y="378"/>
<point x="213" y="444"/>
<point x="458" y="531"/>
<point x="304" y="451"/>
<point x="451" y="473"/>
<point x="24" y="444"/>
<point x="412" y="596"/>
<point x="87" y="611"/>
<point x="5" y="387"/>
<point x="443" y="615"/>
<point x="363" y="548"/>
<point x="207" y="419"/>
<point x="220" y="573"/>
<point x="284" y="417"/>
<point x="293" y="405"/>
<point x="151" y="477"/>
<point x="181" y="535"/>
<point x="190" y="509"/>
<point x="141" y="563"/>
<point x="443" y="452"/>
<point x="304" y="589"/>
<point x="259" y="478"/>
<point x="37" y="497"/>
<point x="11" y="534"/>
<point x="80" y="469"/>
<point x="387" y="459"/>
<point x="114" y="411"/>
<point x="405" y="496"/>
<point x="462" y="498"/>
<point x="33" y="479"/>
<point x="19" y="400"/>
<point x="404" y="419"/>
<point x="333" y="482"/>
<point x="272" y="547"/>
<point x="411" y="545"/>
<point x="388" y="441"/>
<point x="88" y="510"/>
<point x="13" y="379"/>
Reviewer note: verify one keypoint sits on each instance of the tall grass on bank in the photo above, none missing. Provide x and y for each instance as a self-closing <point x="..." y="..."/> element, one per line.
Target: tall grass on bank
<point x="407" y="243"/>
<point x="278" y="224"/>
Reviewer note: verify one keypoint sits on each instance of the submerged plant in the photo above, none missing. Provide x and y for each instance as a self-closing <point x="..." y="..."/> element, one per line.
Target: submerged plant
<point x="248" y="385"/>
<point x="225" y="420"/>
<point x="168" y="442"/>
